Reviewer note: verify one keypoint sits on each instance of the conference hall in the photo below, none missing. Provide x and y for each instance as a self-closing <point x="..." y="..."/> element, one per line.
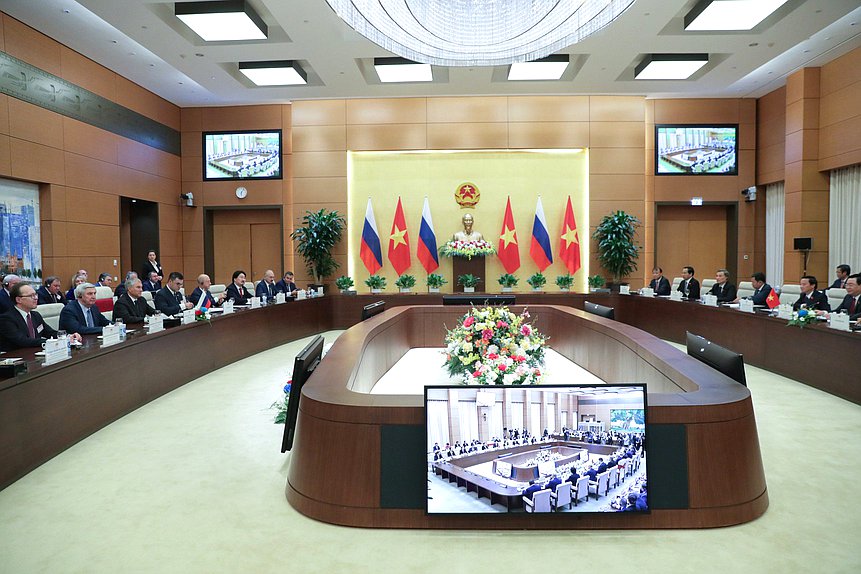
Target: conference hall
<point x="365" y="285"/>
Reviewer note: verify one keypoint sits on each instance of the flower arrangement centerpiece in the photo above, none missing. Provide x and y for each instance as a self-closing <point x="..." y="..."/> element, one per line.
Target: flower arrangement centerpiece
<point x="493" y="346"/>
<point x="281" y="405"/>
<point x="802" y="318"/>
<point x="201" y="315"/>
<point x="468" y="249"/>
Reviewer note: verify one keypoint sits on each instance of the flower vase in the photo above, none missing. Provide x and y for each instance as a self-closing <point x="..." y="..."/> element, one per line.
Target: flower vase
<point x="564" y="289"/>
<point x="405" y="290"/>
<point x="376" y="290"/>
<point x="433" y="289"/>
<point x="536" y="289"/>
<point x="507" y="289"/>
<point x="469" y="289"/>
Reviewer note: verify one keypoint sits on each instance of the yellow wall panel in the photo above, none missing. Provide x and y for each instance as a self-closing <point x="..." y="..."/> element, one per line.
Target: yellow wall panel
<point x="88" y="173"/>
<point x="138" y="99"/>
<point x="84" y="206"/>
<point x="5" y="155"/>
<point x="90" y="141"/>
<point x="4" y="114"/>
<point x="617" y="161"/>
<point x="266" y="117"/>
<point x="88" y="239"/>
<point x="840" y="105"/>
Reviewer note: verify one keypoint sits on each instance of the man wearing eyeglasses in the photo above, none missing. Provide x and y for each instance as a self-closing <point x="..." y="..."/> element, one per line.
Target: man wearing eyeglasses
<point x="22" y="326"/>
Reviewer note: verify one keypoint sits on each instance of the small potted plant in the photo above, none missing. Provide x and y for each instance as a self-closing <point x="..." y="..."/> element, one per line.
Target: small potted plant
<point x="469" y="281"/>
<point x="565" y="282"/>
<point x="508" y="282"/>
<point x="538" y="281"/>
<point x="344" y="283"/>
<point x="376" y="282"/>
<point x="434" y="282"/>
<point x="595" y="282"/>
<point x="405" y="283"/>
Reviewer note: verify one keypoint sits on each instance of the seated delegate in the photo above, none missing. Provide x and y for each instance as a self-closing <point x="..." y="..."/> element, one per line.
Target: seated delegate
<point x="82" y="315"/>
<point x="22" y="327"/>
<point x="51" y="291"/>
<point x="266" y="288"/>
<point x="201" y="298"/>
<point x="689" y="286"/>
<point x="723" y="289"/>
<point x="659" y="283"/>
<point x="131" y="307"/>
<point x="811" y="298"/>
<point x="236" y="291"/>
<point x="169" y="299"/>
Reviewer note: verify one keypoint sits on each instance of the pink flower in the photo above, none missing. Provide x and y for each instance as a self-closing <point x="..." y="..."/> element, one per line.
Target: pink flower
<point x="525" y="331"/>
<point x="492" y="356"/>
<point x="502" y="368"/>
<point x="501" y="324"/>
<point x="476" y="374"/>
<point x="468" y="322"/>
<point x="486" y="334"/>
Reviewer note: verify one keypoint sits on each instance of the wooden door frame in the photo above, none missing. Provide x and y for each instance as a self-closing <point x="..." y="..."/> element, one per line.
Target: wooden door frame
<point x="731" y="232"/>
<point x="209" y="232"/>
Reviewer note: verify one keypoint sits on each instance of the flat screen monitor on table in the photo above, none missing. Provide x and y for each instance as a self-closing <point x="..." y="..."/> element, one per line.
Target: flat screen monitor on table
<point x="482" y="472"/>
<point x="303" y="365"/>
<point x="696" y="149"/>
<point x="600" y="310"/>
<point x="722" y="359"/>
<point x="372" y="309"/>
<point x="242" y="155"/>
<point x="478" y="299"/>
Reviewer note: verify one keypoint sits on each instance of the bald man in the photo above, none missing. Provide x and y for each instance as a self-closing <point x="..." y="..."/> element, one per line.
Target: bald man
<point x="266" y="289"/>
<point x="201" y="297"/>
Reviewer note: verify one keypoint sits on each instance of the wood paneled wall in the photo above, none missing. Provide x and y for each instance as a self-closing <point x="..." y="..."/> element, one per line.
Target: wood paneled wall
<point x="84" y="170"/>
<point x="839" y="112"/>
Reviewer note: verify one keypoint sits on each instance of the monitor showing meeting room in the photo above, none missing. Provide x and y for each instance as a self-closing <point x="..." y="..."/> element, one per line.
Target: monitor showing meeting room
<point x="547" y="449"/>
<point x="241" y="155"/>
<point x="696" y="150"/>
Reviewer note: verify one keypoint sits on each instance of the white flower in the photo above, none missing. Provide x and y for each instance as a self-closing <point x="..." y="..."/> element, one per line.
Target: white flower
<point x="492" y="349"/>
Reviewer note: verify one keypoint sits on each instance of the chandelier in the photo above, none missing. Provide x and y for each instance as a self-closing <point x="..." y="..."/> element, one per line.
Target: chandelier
<point x="477" y="32"/>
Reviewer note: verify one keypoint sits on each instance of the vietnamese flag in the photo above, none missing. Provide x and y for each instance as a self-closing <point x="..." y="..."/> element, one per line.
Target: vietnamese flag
<point x="508" y="252"/>
<point x="399" y="242"/>
<point x="772" y="300"/>
<point x="569" y="243"/>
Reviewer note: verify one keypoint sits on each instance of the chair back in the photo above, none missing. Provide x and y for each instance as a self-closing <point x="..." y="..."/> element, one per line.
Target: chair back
<point x="788" y="298"/>
<point x="613" y="478"/>
<point x="541" y="501"/>
<point x="676" y="282"/>
<point x="582" y="488"/>
<point x="51" y="314"/>
<point x="745" y="289"/>
<point x="791" y="289"/>
<point x="563" y="494"/>
<point x="604" y="482"/>
<point x="706" y="285"/>
<point x="217" y="289"/>
<point x="104" y="292"/>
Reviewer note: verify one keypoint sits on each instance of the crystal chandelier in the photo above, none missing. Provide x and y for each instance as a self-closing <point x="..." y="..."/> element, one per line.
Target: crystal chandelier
<point x="477" y="32"/>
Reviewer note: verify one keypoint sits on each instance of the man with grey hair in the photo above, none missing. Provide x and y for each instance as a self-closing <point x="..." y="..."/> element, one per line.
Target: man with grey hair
<point x="121" y="288"/>
<point x="6" y="303"/>
<point x="81" y="315"/>
<point x="723" y="288"/>
<point x="131" y="307"/>
<point x="51" y="291"/>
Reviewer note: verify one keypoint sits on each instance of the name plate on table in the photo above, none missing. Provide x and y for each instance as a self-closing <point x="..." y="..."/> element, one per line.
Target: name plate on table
<point x="319" y="291"/>
<point x="156" y="324"/>
<point x="839" y="321"/>
<point x="300" y="294"/>
<point x="188" y="316"/>
<point x="110" y="335"/>
<point x="746" y="305"/>
<point x="784" y="312"/>
<point x="624" y="289"/>
<point x="228" y="307"/>
<point x="647" y="292"/>
<point x="675" y="295"/>
<point x="710" y="300"/>
<point x="280" y="298"/>
<point x="255" y="302"/>
<point x="56" y="350"/>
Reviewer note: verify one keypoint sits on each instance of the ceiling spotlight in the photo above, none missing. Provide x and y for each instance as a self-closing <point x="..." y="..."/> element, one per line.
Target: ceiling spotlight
<point x="222" y="20"/>
<point x="274" y="73"/>
<point x="730" y="14"/>
<point x="549" y="68"/>
<point x="391" y="70"/>
<point x="669" y="66"/>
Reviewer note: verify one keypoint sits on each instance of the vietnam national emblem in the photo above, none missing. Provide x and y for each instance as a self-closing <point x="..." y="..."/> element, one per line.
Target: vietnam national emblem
<point x="467" y="195"/>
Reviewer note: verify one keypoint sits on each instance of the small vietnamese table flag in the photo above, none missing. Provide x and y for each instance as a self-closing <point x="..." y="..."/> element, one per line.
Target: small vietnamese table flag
<point x="399" y="242"/>
<point x="772" y="300"/>
<point x="508" y="250"/>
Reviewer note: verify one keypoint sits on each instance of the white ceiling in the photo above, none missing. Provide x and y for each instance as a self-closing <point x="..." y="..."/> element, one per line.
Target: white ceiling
<point x="142" y="40"/>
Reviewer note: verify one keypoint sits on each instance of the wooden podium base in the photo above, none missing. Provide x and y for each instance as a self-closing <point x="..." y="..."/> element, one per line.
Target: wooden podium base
<point x="464" y="266"/>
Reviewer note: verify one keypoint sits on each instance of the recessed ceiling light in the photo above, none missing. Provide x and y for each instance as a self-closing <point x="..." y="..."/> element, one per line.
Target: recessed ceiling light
<point x="549" y="68"/>
<point x="274" y="73"/>
<point x="730" y="14"/>
<point x="222" y="20"/>
<point x="391" y="70"/>
<point x="669" y="66"/>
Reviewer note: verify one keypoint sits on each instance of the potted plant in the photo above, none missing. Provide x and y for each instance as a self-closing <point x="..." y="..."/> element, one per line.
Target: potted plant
<point x="344" y="283"/>
<point x="319" y="233"/>
<point x="469" y="281"/>
<point x="595" y="282"/>
<point x="617" y="252"/>
<point x="376" y="282"/>
<point x="565" y="282"/>
<point x="405" y="283"/>
<point x="434" y="282"/>
<point x="538" y="281"/>
<point x="508" y="282"/>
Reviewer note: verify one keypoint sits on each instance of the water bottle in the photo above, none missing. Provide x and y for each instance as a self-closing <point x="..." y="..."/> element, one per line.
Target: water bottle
<point x="119" y="323"/>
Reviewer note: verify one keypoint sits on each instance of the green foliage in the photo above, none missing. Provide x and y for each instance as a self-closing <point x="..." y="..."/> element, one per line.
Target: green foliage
<point x="617" y="252"/>
<point x="508" y="280"/>
<point x="405" y="282"/>
<point x="319" y="233"/>
<point x="376" y="282"/>
<point x="596" y="281"/>
<point x="565" y="281"/>
<point x="436" y="280"/>
<point x="468" y="280"/>
<point x="538" y="280"/>
<point x="343" y="282"/>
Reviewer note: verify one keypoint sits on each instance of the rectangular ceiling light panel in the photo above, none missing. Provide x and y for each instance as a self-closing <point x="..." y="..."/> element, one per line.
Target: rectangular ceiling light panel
<point x="278" y="73"/>
<point x="550" y="68"/>
<point x="391" y="70"/>
<point x="222" y="21"/>
<point x="730" y="14"/>
<point x="669" y="66"/>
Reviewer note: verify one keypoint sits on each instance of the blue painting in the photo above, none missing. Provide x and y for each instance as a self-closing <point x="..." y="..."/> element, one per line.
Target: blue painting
<point x="20" y="239"/>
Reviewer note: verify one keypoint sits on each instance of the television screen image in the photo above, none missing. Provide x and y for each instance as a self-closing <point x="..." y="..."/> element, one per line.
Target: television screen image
<point x="241" y="155"/>
<point x="545" y="464"/>
<point x="696" y="150"/>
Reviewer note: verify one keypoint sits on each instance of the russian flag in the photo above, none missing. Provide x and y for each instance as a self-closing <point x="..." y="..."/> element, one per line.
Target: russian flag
<point x="371" y="253"/>
<point x="426" y="251"/>
<point x="540" y="248"/>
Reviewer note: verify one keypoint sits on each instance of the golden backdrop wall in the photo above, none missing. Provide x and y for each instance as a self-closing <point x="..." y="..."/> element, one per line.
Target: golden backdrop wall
<point x="523" y="175"/>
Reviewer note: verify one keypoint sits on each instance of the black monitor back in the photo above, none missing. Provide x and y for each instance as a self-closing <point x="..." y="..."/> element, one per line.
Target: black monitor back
<point x="600" y="310"/>
<point x="477" y="299"/>
<point x="303" y="365"/>
<point x="719" y="358"/>
<point x="372" y="309"/>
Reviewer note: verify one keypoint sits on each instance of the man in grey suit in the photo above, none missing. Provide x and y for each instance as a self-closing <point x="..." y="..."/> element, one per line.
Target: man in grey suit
<point x="81" y="315"/>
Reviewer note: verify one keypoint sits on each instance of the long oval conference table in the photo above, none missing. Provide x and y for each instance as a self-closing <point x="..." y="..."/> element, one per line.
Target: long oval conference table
<point x="46" y="409"/>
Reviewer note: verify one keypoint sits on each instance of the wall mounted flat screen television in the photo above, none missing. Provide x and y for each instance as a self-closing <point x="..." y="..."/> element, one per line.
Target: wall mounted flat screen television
<point x="303" y="365"/>
<point x="242" y="155"/>
<point x="477" y="466"/>
<point x="696" y="150"/>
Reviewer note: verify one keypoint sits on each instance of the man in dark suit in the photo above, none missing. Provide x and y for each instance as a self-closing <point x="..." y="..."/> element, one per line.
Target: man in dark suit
<point x="286" y="285"/>
<point x="689" y="286"/>
<point x="592" y="473"/>
<point x="602" y="466"/>
<point x="554" y="482"/>
<point x="761" y="289"/>
<point x="121" y="288"/>
<point x="82" y="315"/>
<point x="723" y="289"/>
<point x="131" y="307"/>
<point x="851" y="304"/>
<point x="201" y="298"/>
<point x="811" y="298"/>
<point x="105" y="280"/>
<point x="169" y="300"/>
<point x="574" y="477"/>
<point x="153" y="283"/>
<point x="6" y="301"/>
<point x="659" y="283"/>
<point x="236" y="291"/>
<point x="22" y="326"/>
<point x="150" y="266"/>
<point x="531" y="489"/>
<point x="843" y="272"/>
<point x="51" y="291"/>
<point x="266" y="288"/>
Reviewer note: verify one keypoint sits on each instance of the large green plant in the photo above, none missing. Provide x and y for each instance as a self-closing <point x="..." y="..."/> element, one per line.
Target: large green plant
<point x="320" y="232"/>
<point x="617" y="252"/>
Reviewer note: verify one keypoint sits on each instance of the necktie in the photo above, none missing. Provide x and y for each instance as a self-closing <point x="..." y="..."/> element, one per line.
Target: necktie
<point x="30" y="328"/>
<point x="851" y="307"/>
<point x="89" y="318"/>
